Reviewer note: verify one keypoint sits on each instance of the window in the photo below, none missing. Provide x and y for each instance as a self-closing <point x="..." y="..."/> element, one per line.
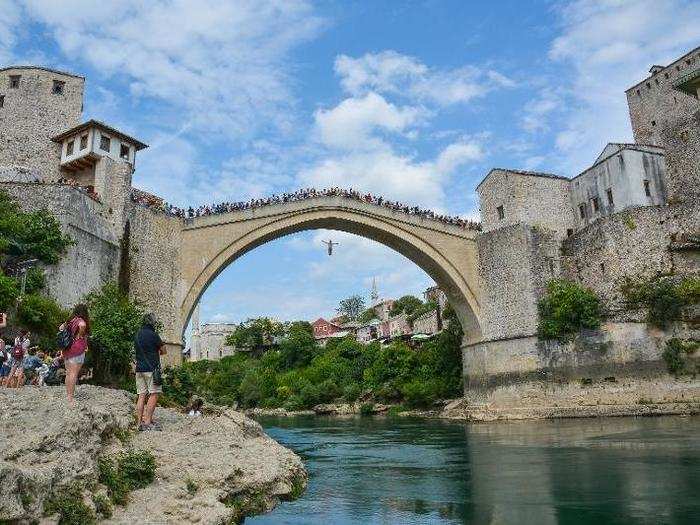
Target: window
<point x="609" y="193"/>
<point x="582" y="210"/>
<point x="83" y="142"/>
<point x="569" y="232"/>
<point x="647" y="188"/>
<point x="653" y="123"/>
<point x="666" y="75"/>
<point x="639" y="93"/>
<point x="57" y="88"/>
<point x="501" y="213"/>
<point x="105" y="143"/>
<point x="2" y="101"/>
<point x="124" y="151"/>
<point x="14" y="81"/>
<point x="69" y="148"/>
<point x="595" y="204"/>
<point x="648" y="85"/>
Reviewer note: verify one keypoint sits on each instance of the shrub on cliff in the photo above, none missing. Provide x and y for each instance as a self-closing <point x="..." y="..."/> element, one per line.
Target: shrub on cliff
<point x="676" y="353"/>
<point x="9" y="291"/>
<point x="29" y="235"/>
<point x="662" y="297"/>
<point x="114" y="321"/>
<point x="567" y="308"/>
<point x="42" y="315"/>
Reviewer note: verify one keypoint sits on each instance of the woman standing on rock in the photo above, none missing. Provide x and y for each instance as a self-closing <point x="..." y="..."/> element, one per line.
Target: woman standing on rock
<point x="74" y="356"/>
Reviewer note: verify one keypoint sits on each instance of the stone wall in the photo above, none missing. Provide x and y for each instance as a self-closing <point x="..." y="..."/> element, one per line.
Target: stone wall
<point x="515" y="264"/>
<point x="93" y="259"/>
<point x="32" y="114"/>
<point x="617" y="350"/>
<point x="681" y="138"/>
<point x="152" y="255"/>
<point x="653" y="101"/>
<point x="638" y="241"/>
<point x="527" y="198"/>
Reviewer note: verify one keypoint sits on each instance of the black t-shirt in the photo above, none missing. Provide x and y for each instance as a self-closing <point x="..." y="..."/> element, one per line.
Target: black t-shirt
<point x="146" y="344"/>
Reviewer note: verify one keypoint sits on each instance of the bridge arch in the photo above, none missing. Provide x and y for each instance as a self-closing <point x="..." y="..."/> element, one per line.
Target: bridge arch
<point x="447" y="253"/>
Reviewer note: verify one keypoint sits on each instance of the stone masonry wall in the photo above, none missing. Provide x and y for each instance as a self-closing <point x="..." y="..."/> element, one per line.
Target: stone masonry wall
<point x="515" y="264"/>
<point x="638" y="241"/>
<point x="93" y="259"/>
<point x="653" y="101"/>
<point x="32" y="114"/>
<point x="153" y="260"/>
<point x="538" y="200"/>
<point x="617" y="349"/>
<point x="681" y="138"/>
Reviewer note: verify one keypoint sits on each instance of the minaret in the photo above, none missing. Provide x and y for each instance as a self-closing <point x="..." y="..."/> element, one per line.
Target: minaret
<point x="194" y="337"/>
<point x="375" y="294"/>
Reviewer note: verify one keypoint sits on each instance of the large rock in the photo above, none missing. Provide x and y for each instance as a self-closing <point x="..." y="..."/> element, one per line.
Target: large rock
<point x="234" y="467"/>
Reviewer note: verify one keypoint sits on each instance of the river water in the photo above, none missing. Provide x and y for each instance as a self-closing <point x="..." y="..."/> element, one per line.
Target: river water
<point x="417" y="471"/>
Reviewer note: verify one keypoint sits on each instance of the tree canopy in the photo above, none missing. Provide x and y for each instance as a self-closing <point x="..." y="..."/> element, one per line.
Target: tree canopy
<point x="351" y="307"/>
<point x="255" y="332"/>
<point x="406" y="304"/>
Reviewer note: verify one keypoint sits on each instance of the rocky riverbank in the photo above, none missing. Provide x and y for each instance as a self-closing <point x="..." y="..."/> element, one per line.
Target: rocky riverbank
<point x="208" y="470"/>
<point x="539" y="400"/>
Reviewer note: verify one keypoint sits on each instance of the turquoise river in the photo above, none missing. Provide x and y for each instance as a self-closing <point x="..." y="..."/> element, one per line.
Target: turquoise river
<point x="366" y="470"/>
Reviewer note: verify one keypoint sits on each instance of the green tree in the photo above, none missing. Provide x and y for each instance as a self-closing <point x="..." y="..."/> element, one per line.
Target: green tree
<point x="567" y="308"/>
<point x="254" y="333"/>
<point x="367" y="316"/>
<point x="26" y="235"/>
<point x="351" y="307"/>
<point x="114" y="320"/>
<point x="663" y="297"/>
<point x="9" y="291"/>
<point x="406" y="304"/>
<point x="41" y="315"/>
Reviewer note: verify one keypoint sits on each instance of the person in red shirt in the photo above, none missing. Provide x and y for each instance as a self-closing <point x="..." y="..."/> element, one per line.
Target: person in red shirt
<point x="74" y="357"/>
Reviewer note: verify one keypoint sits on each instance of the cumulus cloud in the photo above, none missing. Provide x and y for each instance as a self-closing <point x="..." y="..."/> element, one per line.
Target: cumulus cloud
<point x="221" y="64"/>
<point x="609" y="46"/>
<point x="394" y="73"/>
<point x="349" y="125"/>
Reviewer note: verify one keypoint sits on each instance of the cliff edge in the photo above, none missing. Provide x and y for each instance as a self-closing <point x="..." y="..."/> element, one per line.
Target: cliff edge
<point x="208" y="469"/>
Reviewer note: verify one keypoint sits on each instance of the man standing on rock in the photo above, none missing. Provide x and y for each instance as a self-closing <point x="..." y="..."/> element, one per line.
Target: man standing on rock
<point x="148" y="348"/>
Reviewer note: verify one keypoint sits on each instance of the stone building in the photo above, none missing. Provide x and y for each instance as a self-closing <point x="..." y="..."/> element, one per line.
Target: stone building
<point x="36" y="104"/>
<point x="656" y="100"/>
<point x="634" y="212"/>
<point x="428" y="323"/>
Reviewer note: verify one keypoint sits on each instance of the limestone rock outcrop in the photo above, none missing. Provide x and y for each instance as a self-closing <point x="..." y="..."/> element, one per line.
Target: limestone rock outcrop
<point x="209" y="469"/>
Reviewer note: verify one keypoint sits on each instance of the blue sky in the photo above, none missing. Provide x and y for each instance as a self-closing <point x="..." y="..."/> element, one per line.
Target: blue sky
<point x="414" y="100"/>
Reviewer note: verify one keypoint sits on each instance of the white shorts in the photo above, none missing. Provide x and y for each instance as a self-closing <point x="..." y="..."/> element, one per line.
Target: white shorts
<point x="145" y="385"/>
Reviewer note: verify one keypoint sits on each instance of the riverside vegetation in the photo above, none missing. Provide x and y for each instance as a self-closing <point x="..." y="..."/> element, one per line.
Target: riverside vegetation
<point x="300" y="374"/>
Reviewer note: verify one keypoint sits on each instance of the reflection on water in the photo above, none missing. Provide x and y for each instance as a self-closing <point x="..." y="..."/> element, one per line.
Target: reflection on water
<point x="417" y="471"/>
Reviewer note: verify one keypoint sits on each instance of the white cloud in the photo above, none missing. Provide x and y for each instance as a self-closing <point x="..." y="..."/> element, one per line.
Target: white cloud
<point x="223" y="65"/>
<point x="458" y="154"/>
<point x="609" y="47"/>
<point x="393" y="73"/>
<point x="349" y="124"/>
<point x="537" y="112"/>
<point x="9" y="22"/>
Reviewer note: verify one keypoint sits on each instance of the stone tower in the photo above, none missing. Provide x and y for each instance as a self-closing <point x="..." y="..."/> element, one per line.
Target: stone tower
<point x="35" y="105"/>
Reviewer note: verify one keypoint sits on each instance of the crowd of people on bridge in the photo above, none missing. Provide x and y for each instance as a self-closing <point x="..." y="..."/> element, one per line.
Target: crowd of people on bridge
<point x="158" y="204"/>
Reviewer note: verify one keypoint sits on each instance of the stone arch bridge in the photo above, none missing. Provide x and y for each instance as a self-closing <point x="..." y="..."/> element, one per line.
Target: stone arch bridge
<point x="208" y="244"/>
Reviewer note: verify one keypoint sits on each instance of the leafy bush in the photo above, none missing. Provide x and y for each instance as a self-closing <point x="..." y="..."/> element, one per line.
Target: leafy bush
<point x="137" y="468"/>
<point x="675" y="354"/>
<point x="103" y="505"/>
<point x="36" y="280"/>
<point x="40" y="314"/>
<point x="367" y="409"/>
<point x="9" y="291"/>
<point x="421" y="394"/>
<point x="109" y="476"/>
<point x="35" y="234"/>
<point x="567" y="308"/>
<point x="663" y="297"/>
<point x="134" y="469"/>
<point x="114" y="321"/>
<point x="69" y="505"/>
<point x="351" y="392"/>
